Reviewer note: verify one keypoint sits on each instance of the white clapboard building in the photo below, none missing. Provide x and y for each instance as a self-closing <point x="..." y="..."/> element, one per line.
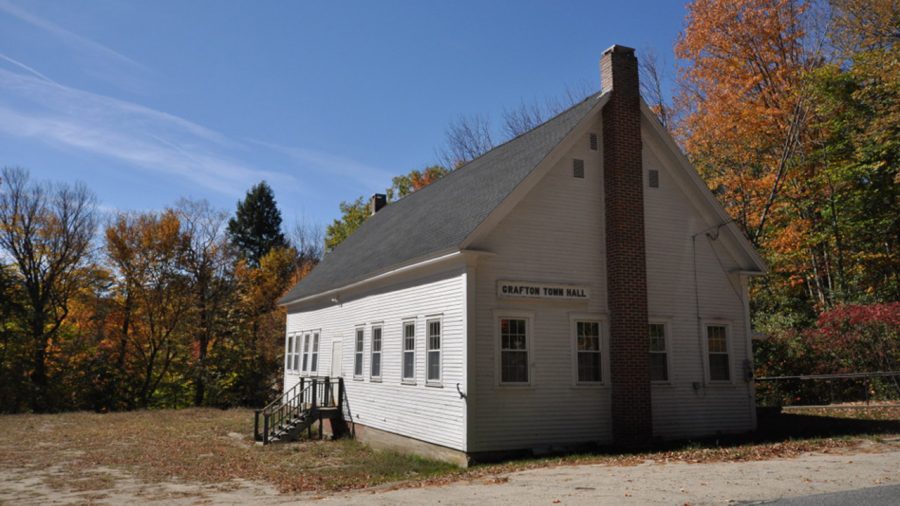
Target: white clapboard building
<point x="577" y="284"/>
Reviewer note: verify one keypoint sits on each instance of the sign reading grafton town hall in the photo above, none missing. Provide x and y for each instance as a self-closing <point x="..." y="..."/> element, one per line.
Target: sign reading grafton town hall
<point x="525" y="289"/>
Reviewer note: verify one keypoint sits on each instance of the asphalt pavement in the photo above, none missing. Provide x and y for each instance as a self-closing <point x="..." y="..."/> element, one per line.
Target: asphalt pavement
<point x="888" y="495"/>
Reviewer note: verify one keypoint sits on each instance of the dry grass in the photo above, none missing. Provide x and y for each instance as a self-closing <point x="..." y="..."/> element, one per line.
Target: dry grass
<point x="89" y="452"/>
<point x="198" y="445"/>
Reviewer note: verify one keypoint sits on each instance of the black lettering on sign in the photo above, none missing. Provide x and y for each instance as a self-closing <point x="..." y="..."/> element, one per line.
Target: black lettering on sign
<point x="539" y="290"/>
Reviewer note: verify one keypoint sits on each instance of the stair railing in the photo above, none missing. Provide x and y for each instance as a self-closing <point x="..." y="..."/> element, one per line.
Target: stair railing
<point x="309" y="394"/>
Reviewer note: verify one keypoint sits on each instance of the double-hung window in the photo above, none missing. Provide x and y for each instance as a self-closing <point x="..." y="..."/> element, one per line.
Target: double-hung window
<point x="659" y="362"/>
<point x="717" y="350"/>
<point x="358" y="354"/>
<point x="375" y="368"/>
<point x="433" y="351"/>
<point x="587" y="337"/>
<point x="513" y="350"/>
<point x="314" y="359"/>
<point x="305" y="353"/>
<point x="289" y="354"/>
<point x="409" y="351"/>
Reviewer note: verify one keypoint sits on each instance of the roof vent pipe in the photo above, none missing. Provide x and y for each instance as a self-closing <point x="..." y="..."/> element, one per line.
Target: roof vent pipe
<point x="377" y="201"/>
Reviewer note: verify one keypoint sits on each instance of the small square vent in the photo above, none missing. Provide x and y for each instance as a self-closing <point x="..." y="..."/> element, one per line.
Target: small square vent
<point x="578" y="168"/>
<point x="594" y="142"/>
<point x="654" y="179"/>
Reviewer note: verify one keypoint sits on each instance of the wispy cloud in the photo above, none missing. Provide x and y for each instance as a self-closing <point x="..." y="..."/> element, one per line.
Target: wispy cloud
<point x="41" y="109"/>
<point x="93" y="58"/>
<point x="26" y="68"/>
<point x="34" y="106"/>
<point x="66" y="35"/>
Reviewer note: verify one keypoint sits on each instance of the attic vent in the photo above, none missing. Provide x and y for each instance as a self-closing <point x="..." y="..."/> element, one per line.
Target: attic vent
<point x="654" y="179"/>
<point x="593" y="142"/>
<point x="578" y="168"/>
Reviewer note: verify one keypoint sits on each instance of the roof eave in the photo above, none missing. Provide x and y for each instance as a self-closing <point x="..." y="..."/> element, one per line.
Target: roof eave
<point x="439" y="257"/>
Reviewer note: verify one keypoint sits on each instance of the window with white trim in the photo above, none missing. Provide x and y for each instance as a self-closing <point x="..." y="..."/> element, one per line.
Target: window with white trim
<point x="358" y="354"/>
<point x="289" y="354"/>
<point x="433" y="351"/>
<point x="375" y="367"/>
<point x="659" y="361"/>
<point x="305" y="353"/>
<point x="588" y="346"/>
<point x="717" y="350"/>
<point x="513" y="350"/>
<point x="409" y="351"/>
<point x="314" y="359"/>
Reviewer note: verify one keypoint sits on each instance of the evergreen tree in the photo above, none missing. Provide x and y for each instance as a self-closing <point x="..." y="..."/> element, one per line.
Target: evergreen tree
<point x="256" y="226"/>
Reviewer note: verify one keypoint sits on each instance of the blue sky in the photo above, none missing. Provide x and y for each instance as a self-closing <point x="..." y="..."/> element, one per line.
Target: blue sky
<point x="147" y="102"/>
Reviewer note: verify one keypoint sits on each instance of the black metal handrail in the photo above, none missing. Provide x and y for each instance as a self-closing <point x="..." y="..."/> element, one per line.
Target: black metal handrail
<point x="308" y="395"/>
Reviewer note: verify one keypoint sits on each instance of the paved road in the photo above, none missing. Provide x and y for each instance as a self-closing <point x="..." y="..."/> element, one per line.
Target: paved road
<point x="873" y="496"/>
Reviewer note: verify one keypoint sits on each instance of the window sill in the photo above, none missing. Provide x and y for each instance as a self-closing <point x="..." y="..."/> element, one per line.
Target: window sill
<point x="375" y="380"/>
<point x="515" y="386"/>
<point x="664" y="384"/>
<point x="408" y="382"/>
<point x="358" y="378"/>
<point x="720" y="384"/>
<point x="590" y="386"/>
<point x="434" y="384"/>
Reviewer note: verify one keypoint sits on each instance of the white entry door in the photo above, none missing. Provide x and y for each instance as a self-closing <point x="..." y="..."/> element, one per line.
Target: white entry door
<point x="337" y="359"/>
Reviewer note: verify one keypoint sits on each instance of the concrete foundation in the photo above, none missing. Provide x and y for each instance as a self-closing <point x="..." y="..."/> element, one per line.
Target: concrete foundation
<point x="383" y="440"/>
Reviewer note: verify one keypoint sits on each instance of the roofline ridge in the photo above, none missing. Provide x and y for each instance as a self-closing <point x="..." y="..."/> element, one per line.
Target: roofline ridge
<point x="596" y="94"/>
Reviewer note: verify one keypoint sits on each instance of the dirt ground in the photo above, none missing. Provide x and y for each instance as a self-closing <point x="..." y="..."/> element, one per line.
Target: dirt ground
<point x="672" y="483"/>
<point x="870" y="463"/>
<point x="207" y="456"/>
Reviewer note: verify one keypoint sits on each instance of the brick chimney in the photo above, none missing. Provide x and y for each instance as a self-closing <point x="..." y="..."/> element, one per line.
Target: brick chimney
<point x="626" y="264"/>
<point x="377" y="201"/>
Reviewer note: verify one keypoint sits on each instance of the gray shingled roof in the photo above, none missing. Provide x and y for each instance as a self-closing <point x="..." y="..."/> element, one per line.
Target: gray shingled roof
<point x="440" y="216"/>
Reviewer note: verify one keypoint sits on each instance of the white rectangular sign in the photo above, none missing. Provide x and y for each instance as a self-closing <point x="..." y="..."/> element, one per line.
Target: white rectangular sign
<point x="526" y="289"/>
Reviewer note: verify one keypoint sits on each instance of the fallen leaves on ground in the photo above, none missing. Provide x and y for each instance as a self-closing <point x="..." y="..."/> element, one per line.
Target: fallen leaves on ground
<point x="90" y="451"/>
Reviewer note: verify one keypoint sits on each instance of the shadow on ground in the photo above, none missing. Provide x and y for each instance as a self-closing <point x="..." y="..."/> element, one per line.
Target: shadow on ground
<point x="776" y="425"/>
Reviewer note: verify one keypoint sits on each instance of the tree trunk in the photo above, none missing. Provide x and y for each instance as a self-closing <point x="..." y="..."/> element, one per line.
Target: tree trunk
<point x="123" y="338"/>
<point x="39" y="373"/>
<point x="203" y="337"/>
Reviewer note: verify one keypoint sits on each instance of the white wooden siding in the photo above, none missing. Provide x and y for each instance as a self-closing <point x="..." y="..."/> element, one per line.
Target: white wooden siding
<point x="555" y="235"/>
<point x="671" y="219"/>
<point x="428" y="413"/>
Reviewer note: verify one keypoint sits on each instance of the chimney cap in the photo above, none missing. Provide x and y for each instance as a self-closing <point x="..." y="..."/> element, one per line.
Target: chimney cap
<point x="616" y="48"/>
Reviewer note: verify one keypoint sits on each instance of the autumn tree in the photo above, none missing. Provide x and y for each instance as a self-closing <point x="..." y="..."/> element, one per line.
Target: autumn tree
<point x="353" y="214"/>
<point x="148" y="251"/>
<point x="795" y="129"/>
<point x="740" y="86"/>
<point x="46" y="230"/>
<point x="415" y="180"/>
<point x="258" y="340"/>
